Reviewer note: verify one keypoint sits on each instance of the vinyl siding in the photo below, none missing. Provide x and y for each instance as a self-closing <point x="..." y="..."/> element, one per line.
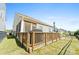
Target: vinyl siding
<point x="17" y="20"/>
<point x="2" y="17"/>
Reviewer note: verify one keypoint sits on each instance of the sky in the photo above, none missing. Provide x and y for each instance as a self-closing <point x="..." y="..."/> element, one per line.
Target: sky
<point x="65" y="16"/>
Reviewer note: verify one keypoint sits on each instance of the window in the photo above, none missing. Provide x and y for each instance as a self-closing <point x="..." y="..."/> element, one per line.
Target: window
<point x="27" y="26"/>
<point x="40" y="27"/>
<point x="33" y="26"/>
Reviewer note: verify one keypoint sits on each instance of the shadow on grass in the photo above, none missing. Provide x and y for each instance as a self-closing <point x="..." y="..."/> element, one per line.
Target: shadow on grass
<point x="20" y="44"/>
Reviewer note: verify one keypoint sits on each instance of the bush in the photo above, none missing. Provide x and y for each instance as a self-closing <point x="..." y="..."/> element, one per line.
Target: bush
<point x="76" y="34"/>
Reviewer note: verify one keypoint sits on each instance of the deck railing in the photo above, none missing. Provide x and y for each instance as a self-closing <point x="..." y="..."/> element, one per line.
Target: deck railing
<point x="33" y="39"/>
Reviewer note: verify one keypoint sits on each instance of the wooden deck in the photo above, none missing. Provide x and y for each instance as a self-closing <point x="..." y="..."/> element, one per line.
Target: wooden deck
<point x="32" y="40"/>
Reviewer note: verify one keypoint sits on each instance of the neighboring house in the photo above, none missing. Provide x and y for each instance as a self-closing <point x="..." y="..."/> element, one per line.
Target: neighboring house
<point x="23" y="23"/>
<point x="63" y="32"/>
<point x="2" y="20"/>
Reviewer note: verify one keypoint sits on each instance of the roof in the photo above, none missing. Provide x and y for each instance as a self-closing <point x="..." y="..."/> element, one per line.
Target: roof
<point x="33" y="20"/>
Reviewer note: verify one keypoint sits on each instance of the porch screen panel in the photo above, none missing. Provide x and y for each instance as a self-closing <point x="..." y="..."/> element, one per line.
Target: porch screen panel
<point x="27" y="26"/>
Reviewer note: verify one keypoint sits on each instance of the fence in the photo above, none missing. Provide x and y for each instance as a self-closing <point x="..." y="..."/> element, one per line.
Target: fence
<point x="32" y="39"/>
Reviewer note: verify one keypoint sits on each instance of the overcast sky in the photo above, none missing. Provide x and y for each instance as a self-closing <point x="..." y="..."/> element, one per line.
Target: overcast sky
<point x="65" y="16"/>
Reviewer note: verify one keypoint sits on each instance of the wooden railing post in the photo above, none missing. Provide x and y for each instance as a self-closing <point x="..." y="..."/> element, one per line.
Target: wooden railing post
<point x="56" y="36"/>
<point x="28" y="42"/>
<point x="45" y="38"/>
<point x="52" y="37"/>
<point x="21" y="38"/>
<point x="33" y="40"/>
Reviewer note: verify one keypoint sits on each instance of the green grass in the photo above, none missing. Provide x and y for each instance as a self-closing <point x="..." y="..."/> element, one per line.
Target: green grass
<point x="9" y="46"/>
<point x="54" y="48"/>
<point x="51" y="49"/>
<point x="74" y="48"/>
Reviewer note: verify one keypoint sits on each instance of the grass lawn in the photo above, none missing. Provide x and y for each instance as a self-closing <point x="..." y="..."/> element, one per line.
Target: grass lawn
<point x="51" y="49"/>
<point x="74" y="48"/>
<point x="54" y="48"/>
<point x="9" y="46"/>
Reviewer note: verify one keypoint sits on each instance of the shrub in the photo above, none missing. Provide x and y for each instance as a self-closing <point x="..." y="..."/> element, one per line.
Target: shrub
<point x="76" y="34"/>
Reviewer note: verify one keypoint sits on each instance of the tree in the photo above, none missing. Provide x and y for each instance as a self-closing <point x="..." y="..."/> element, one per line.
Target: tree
<point x="76" y="34"/>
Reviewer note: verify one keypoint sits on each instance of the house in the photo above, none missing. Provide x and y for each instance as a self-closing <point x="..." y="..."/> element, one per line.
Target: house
<point x="23" y="23"/>
<point x="2" y="20"/>
<point x="63" y="32"/>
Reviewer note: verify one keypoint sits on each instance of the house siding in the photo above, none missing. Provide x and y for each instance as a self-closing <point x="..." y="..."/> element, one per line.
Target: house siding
<point x="2" y="17"/>
<point x="17" y="20"/>
<point x="2" y="21"/>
